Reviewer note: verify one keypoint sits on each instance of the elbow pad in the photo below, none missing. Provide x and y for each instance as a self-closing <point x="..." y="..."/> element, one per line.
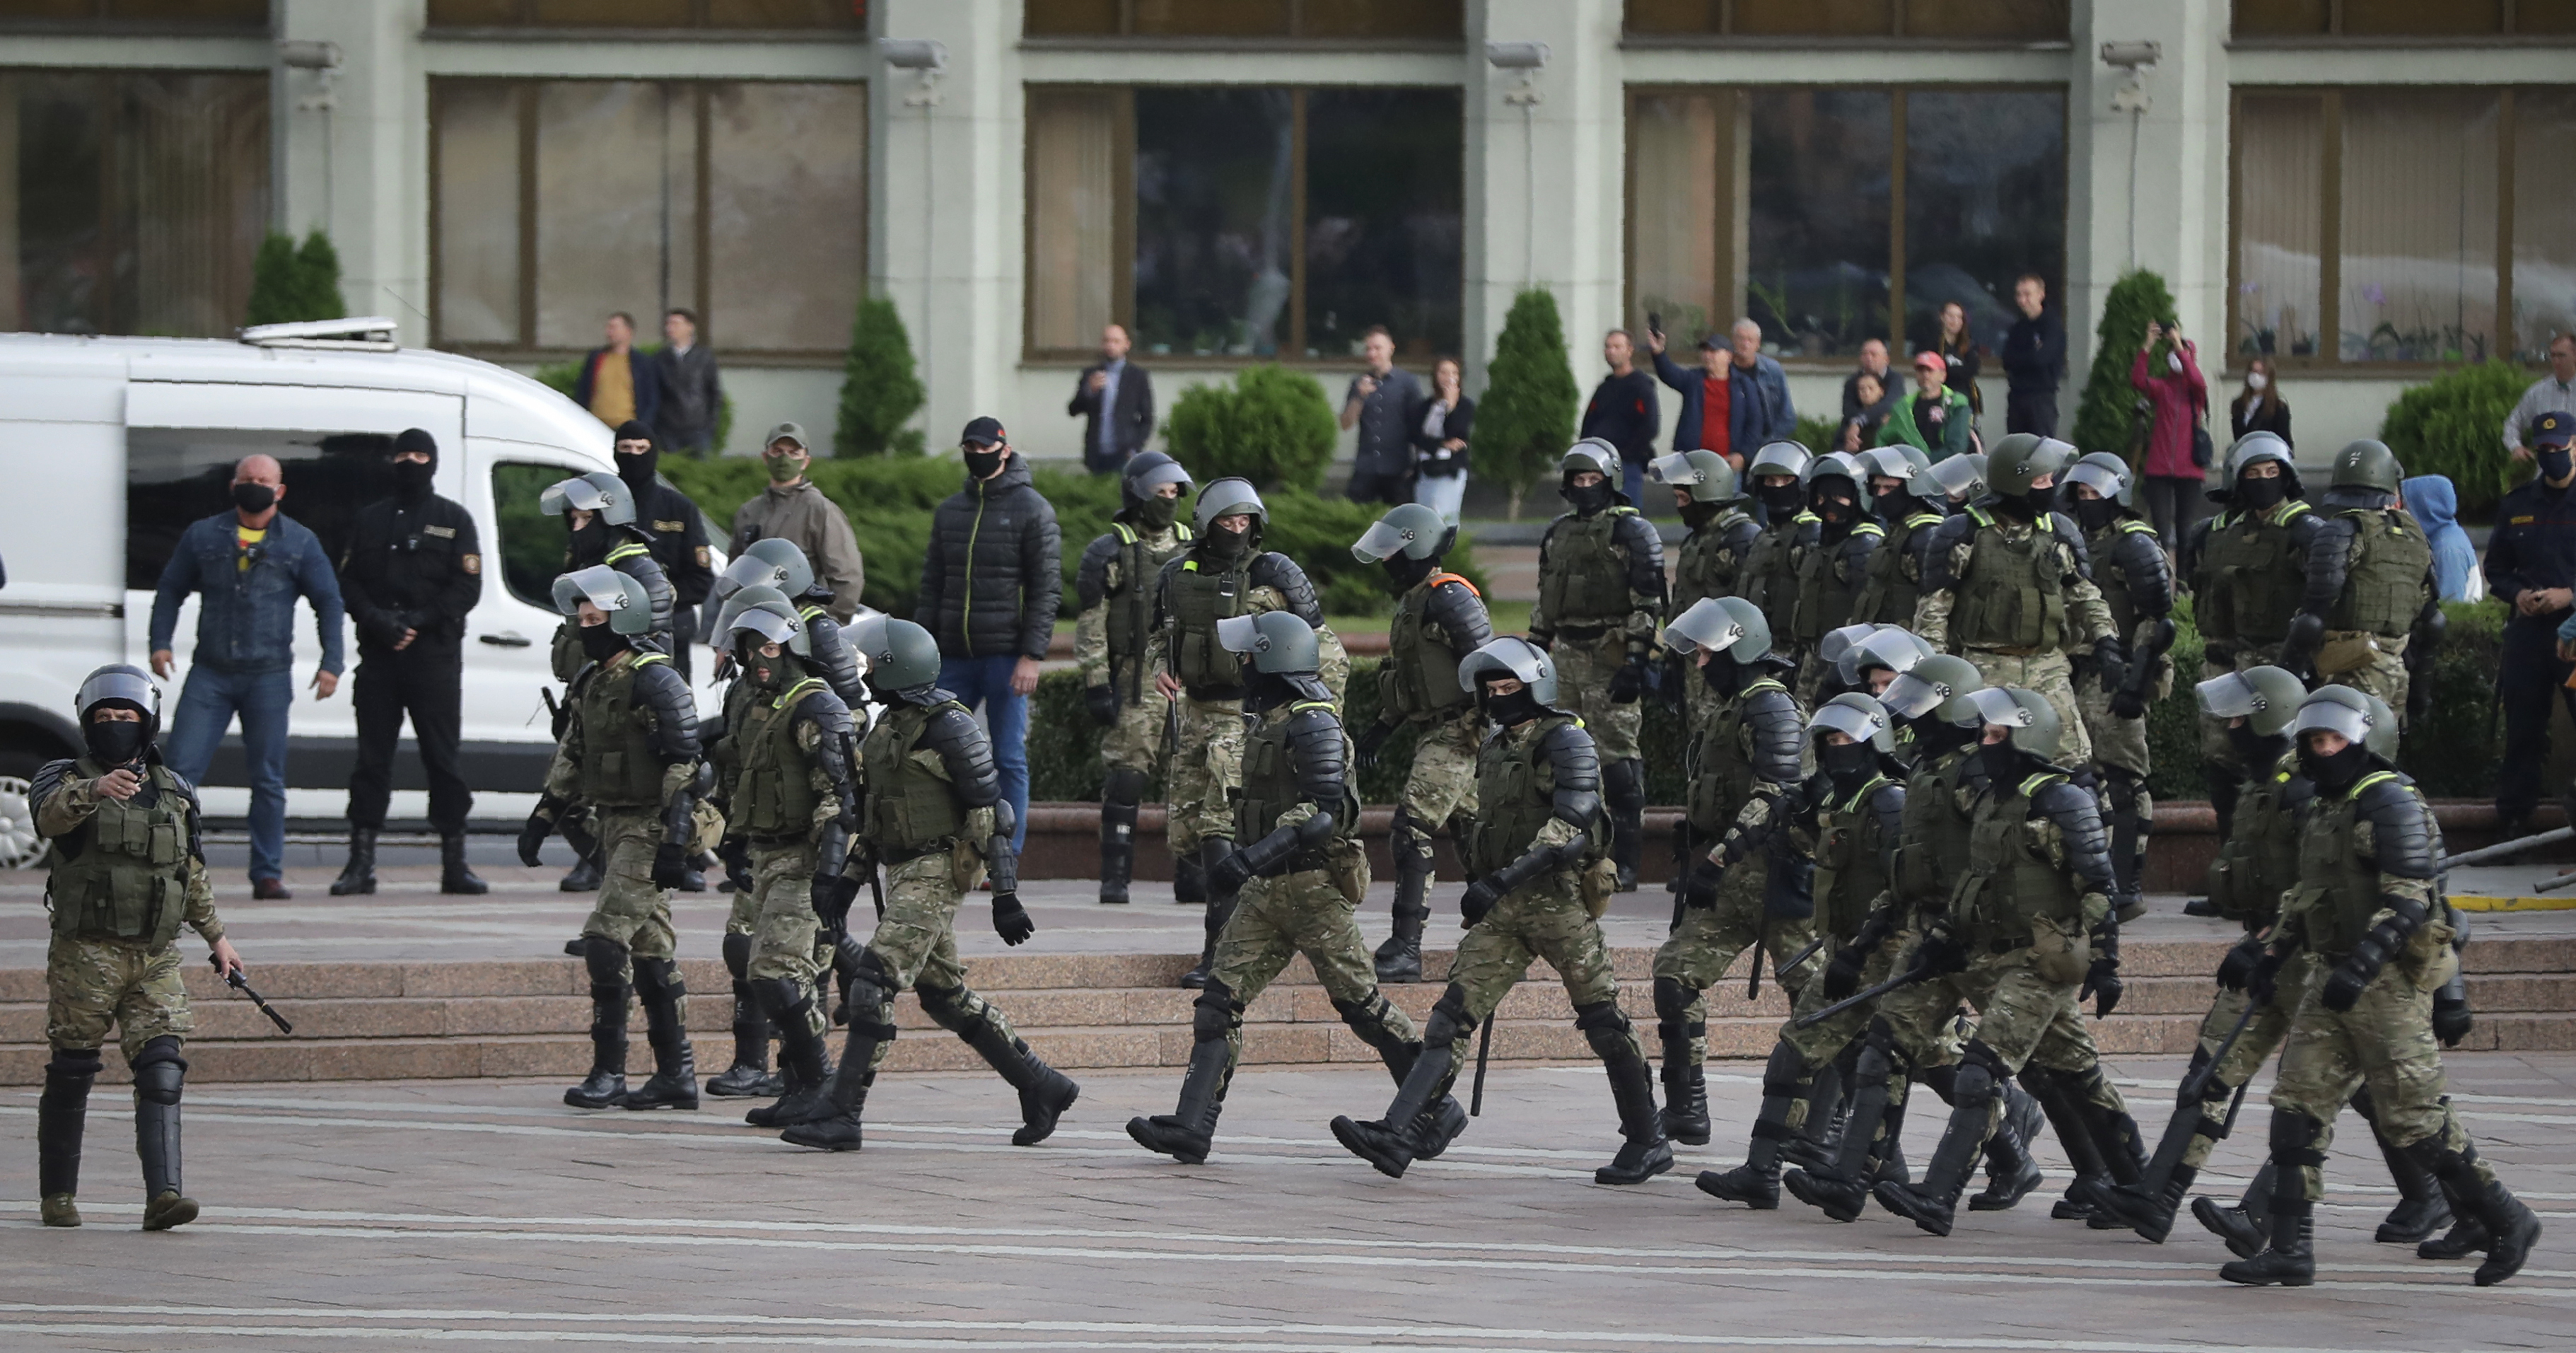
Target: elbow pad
<point x="1580" y="807"/>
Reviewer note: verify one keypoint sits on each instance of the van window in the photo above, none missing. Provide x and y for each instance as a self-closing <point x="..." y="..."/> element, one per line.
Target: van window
<point x="175" y="476"/>
<point x="532" y="543"/>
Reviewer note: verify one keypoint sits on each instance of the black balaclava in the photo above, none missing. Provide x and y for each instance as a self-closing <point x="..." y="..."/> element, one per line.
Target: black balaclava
<point x="2334" y="774"/>
<point x="601" y="642"/>
<point x="1934" y="735"/>
<point x="1835" y="512"/>
<point x="589" y="541"/>
<point x="2002" y="762"/>
<point x="1891" y="503"/>
<point x="1696" y="514"/>
<point x="1850" y="764"/>
<point x="2029" y="506"/>
<point x="637" y="471"/>
<point x="1720" y="672"/>
<point x="1588" y="501"/>
<point x="115" y="742"/>
<point x="254" y="498"/>
<point x="1508" y="710"/>
<point x="1266" y="691"/>
<point x="1156" y="512"/>
<point x="1226" y="546"/>
<point x="2261" y="495"/>
<point x="1783" y="500"/>
<point x="982" y="461"/>
<point x="2095" y="514"/>
<point x="411" y="478"/>
<point x="2259" y="751"/>
<point x="2555" y="462"/>
<point x="1408" y="571"/>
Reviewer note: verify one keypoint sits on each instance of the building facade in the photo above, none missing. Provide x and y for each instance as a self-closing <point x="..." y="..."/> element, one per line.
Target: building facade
<point x="2362" y="190"/>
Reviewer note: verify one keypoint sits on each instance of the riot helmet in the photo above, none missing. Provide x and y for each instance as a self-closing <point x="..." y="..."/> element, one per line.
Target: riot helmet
<point x="1408" y="541"/>
<point x="118" y="742"/>
<point x="2366" y="474"/>
<point x="1147" y="471"/>
<point x="903" y="660"/>
<point x="1517" y="658"/>
<point x="1229" y="497"/>
<point x="1774" y="460"/>
<point x="2016" y="465"/>
<point x="2259" y="494"/>
<point x="1589" y="456"/>
<point x="768" y="562"/>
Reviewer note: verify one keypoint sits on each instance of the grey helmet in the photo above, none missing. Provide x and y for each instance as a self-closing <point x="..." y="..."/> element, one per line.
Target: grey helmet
<point x="1728" y="625"/>
<point x="2366" y="474"/>
<point x="2253" y="449"/>
<point x="2105" y="474"/>
<point x="1704" y="475"/>
<point x="1962" y="478"/>
<point x="771" y="617"/>
<point x="1855" y="716"/>
<point x="1778" y="458"/>
<point x="2037" y="732"/>
<point x="2337" y="709"/>
<point x="1416" y="531"/>
<point x="1511" y="656"/>
<point x="629" y="606"/>
<point x="1279" y="642"/>
<point x="2019" y="461"/>
<point x="1893" y="647"/>
<point x="2267" y="698"/>
<point x="1225" y="498"/>
<point x="1939" y="686"/>
<point x="1147" y="471"/>
<point x="1908" y="465"/>
<point x="2384" y="734"/>
<point x="1837" y="642"/>
<point x="124" y="684"/>
<point x="1591" y="455"/>
<point x="901" y="655"/>
<point x="598" y="491"/>
<point x="768" y="562"/>
<point x="1847" y="467"/>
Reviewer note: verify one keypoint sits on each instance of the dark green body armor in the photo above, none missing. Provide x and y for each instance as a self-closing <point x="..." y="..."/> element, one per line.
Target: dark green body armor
<point x="776" y="795"/>
<point x="910" y="810"/>
<point x="1888" y="597"/>
<point x="1721" y="774"/>
<point x="618" y="765"/>
<point x="1704" y="566"/>
<point x="1768" y="580"/>
<point x="2014" y="596"/>
<point x="2113" y="582"/>
<point x="1932" y="846"/>
<point x="129" y="880"/>
<point x="2384" y="591"/>
<point x="2259" y="860"/>
<point x="2338" y="888"/>
<point x="1851" y="870"/>
<point x="1270" y="787"/>
<point x="1129" y="600"/>
<point x="1515" y="796"/>
<point x="1420" y="675"/>
<point x="1827" y="600"/>
<point x="1585" y="585"/>
<point x="2250" y="577"/>
<point x="2010" y="883"/>
<point x="1198" y="600"/>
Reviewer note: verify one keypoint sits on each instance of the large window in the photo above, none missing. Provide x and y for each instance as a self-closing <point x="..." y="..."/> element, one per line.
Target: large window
<point x="1322" y="19"/>
<point x="1950" y="20"/>
<point x="127" y="16"/>
<point x="2383" y="224"/>
<point x="559" y="202"/>
<point x="131" y="202"/>
<point x="736" y="14"/>
<point x="1833" y="216"/>
<point x="1244" y="221"/>
<point x="2404" y="18"/>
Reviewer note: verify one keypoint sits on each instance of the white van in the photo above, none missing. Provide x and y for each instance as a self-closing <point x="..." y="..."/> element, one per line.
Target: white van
<point x="110" y="447"/>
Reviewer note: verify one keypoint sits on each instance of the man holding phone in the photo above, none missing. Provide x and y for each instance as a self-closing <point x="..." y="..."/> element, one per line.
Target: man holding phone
<point x="1383" y="404"/>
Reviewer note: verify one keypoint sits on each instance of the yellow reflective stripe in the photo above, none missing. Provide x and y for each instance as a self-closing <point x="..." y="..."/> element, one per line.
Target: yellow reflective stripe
<point x="1870" y="528"/>
<point x="1302" y="706"/>
<point x="1126" y="533"/>
<point x="2367" y="781"/>
<point x="2038" y="782"/>
<point x="797" y="692"/>
<point x="1765" y="684"/>
<point x="1921" y="519"/>
<point x="1183" y="532"/>
<point x="1978" y="515"/>
<point x="642" y="659"/>
<point x="1189" y="566"/>
<point x="626" y="551"/>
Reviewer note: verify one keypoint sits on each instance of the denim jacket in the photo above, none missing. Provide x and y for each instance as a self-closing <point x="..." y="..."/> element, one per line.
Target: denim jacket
<point x="246" y="620"/>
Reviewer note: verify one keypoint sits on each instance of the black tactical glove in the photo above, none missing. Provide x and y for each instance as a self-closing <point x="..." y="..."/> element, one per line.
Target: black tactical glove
<point x="1940" y="952"/>
<point x="1652" y="674"/>
<point x="1477" y="901"/>
<point x="670" y="864"/>
<point x="2237" y="969"/>
<point x="1676" y="682"/>
<point x="532" y="837"/>
<point x="1842" y="976"/>
<point x="2451" y="1018"/>
<point x="737" y="863"/>
<point x="2362" y="965"/>
<point x="2260" y="985"/>
<point x="2111" y="656"/>
<point x="1229" y="873"/>
<point x="1628" y="682"/>
<point x="831" y="896"/>
<point x="2102" y="980"/>
<point x="1371" y="742"/>
<point x="1011" y="920"/>
<point x="1699" y="888"/>
<point x="2128" y="703"/>
<point x="1102" y="700"/>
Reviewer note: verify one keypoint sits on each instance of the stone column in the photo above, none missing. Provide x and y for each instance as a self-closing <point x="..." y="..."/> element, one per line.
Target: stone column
<point x="358" y="167"/>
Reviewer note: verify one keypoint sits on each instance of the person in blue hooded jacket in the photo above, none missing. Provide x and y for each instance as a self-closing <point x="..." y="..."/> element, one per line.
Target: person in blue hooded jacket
<point x="2436" y="505"/>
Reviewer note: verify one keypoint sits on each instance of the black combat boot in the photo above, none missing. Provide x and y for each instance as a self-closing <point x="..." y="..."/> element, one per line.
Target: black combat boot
<point x="1685" y="1115"/>
<point x="358" y="876"/>
<point x="453" y="875"/>
<point x="1189" y="881"/>
<point x="1045" y="1093"/>
<point x="1119" y="797"/>
<point x="842" y="1102"/>
<point x="1818" y="1142"/>
<point x="2467" y="1236"/>
<point x="606" y="1083"/>
<point x="1932" y="1204"/>
<point x="159" y="1073"/>
<point x="1839" y="1189"/>
<point x="2246" y="1227"/>
<point x="2511" y="1230"/>
<point x="749" y="1075"/>
<point x="1624" y="785"/>
<point x="1644" y="1154"/>
<point x="1391" y="1143"/>
<point x="1220" y="909"/>
<point x="2421" y="1209"/>
<point x="2054" y="1092"/>
<point x="1400" y="958"/>
<point x="675" y="1066"/>
<point x="60" y="1115"/>
<point x="801" y="1056"/>
<point x="585" y="875"/>
<point x="2149" y="1206"/>
<point x="2011" y="1173"/>
<point x="1786" y="1079"/>
<point x="2291" y="1261"/>
<point x="870" y="1005"/>
<point x="1189" y="1130"/>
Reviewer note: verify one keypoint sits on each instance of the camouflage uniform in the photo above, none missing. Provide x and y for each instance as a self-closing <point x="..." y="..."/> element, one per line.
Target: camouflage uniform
<point x="1709" y="563"/>
<point x="2370" y="592"/>
<point x="2018" y="631"/>
<point x="1115" y="587"/>
<point x="2245" y="571"/>
<point x="1207" y="755"/>
<point x="96" y="979"/>
<point x="1437" y="622"/>
<point x="1600" y="594"/>
<point x="2137" y="587"/>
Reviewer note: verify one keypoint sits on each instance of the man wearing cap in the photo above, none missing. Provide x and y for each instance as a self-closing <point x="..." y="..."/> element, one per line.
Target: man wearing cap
<point x="2531" y="567"/>
<point x="677" y="531"/>
<point x="793" y="509"/>
<point x="412" y="570"/>
<point x="990" y="585"/>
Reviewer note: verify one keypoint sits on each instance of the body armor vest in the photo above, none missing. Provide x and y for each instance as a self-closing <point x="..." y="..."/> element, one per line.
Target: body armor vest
<point x="1420" y="677"/>
<point x="2010" y="882"/>
<point x="1198" y="600"/>
<point x="130" y="879"/>
<point x="910" y="809"/>
<point x="618" y="766"/>
<point x="1767" y="581"/>
<point x="2259" y="860"/>
<point x="1516" y="795"/>
<point x="2384" y="590"/>
<point x="1850" y="871"/>
<point x="1586" y="580"/>
<point x="2251" y="577"/>
<point x="2014" y="596"/>
<point x="776" y="796"/>
<point x="1701" y="567"/>
<point x="2114" y="581"/>
<point x="1721" y="768"/>
<point x="1932" y="843"/>
<point x="2338" y="889"/>
<point x="1825" y="599"/>
<point x="1130" y="602"/>
<point x="1888" y="596"/>
<point x="1271" y="788"/>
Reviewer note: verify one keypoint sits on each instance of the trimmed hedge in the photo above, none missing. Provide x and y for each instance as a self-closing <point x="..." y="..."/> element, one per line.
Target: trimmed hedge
<point x="2447" y="426"/>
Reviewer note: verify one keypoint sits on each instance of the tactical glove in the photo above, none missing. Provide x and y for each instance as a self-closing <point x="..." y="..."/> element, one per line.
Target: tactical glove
<point x="1676" y="686"/>
<point x="2357" y="971"/>
<point x="1628" y="682"/>
<point x="831" y="896"/>
<point x="1011" y="920"/>
<point x="2111" y="656"/>
<point x="1103" y="703"/>
<point x="2128" y="703"/>
<point x="2451" y="1018"/>
<point x="1477" y="902"/>
<point x="1229" y="873"/>
<point x="1939" y="952"/>
<point x="2102" y="980"/>
<point x="2237" y="969"/>
<point x="2260" y="984"/>
<point x="1699" y="889"/>
<point x="670" y="864"/>
<point x="532" y="837"/>
<point x="737" y="863"/>
<point x="1371" y="742"/>
<point x="1842" y="976"/>
<point x="2419" y="699"/>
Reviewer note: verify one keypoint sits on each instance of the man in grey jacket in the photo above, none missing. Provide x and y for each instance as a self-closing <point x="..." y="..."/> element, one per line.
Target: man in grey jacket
<point x="692" y="397"/>
<point x="1761" y="390"/>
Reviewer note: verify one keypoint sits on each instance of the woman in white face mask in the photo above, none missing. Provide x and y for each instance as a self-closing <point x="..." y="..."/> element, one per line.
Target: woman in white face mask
<point x="2258" y="407"/>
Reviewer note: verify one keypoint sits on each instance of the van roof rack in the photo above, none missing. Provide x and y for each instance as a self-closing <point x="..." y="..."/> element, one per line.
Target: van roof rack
<point x="364" y="333"/>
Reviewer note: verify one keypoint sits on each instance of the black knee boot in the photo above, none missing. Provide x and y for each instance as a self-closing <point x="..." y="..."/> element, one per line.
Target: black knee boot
<point x="2011" y="1173"/>
<point x="1786" y="1080"/>
<point x="1391" y="1143"/>
<point x="2149" y="1206"/>
<point x="1685" y="1114"/>
<point x="2511" y="1229"/>
<point x="829" y="1116"/>
<point x="2122" y="803"/>
<point x="1818" y="1140"/>
<point x="1840" y="1188"/>
<point x="675" y="1066"/>
<point x="1045" y="1093"/>
<point x="1220" y="909"/>
<point x="1189" y="882"/>
<point x="454" y="876"/>
<point x="1119" y="796"/>
<point x="2074" y="1136"/>
<point x="159" y="1071"/>
<point x="1189" y="1130"/>
<point x="1624" y="786"/>
<point x="359" y="874"/>
<point x="60" y="1115"/>
<point x="1643" y="1152"/>
<point x="1400" y="958"/>
<point x="606" y="1083"/>
<point x="749" y="1075"/>
<point x="790" y="1005"/>
<point x="2421" y="1207"/>
<point x="2290" y="1260"/>
<point x="1931" y="1204"/>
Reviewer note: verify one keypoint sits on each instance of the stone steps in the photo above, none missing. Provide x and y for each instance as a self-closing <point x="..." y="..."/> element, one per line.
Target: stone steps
<point x="527" y="1017"/>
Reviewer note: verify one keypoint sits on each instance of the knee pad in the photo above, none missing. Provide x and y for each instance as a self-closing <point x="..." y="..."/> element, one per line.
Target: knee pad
<point x="1603" y="1026"/>
<point x="1215" y="1014"/>
<point x="1985" y="1059"/>
<point x="781" y="997"/>
<point x="606" y="959"/>
<point x="1368" y="1018"/>
<point x="1874" y="1066"/>
<point x="72" y="1069"/>
<point x="1408" y="835"/>
<point x="1126" y="788"/>
<point x="1672" y="1000"/>
<point x="1944" y="1081"/>
<point x="946" y="1007"/>
<point x="1624" y="785"/>
<point x="159" y="1071"/>
<point x="1448" y="1019"/>
<point x="2294" y="1140"/>
<point x="658" y="979"/>
<point x="1974" y="1084"/>
<point x="737" y="954"/>
<point x="1785" y="1074"/>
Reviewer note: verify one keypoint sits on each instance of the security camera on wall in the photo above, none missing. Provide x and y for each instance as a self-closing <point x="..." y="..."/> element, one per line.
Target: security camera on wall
<point x="2132" y="56"/>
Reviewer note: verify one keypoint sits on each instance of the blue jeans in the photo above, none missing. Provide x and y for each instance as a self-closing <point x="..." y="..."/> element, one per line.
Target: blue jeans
<point x="1632" y="479"/>
<point x="207" y="704"/>
<point x="987" y="681"/>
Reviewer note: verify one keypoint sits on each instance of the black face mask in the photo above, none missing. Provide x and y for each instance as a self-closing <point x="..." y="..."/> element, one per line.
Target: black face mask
<point x="1719" y="673"/>
<point x="981" y="462"/>
<point x="637" y="471"/>
<point x="2261" y="495"/>
<point x="1223" y="544"/>
<point x="1266" y="691"/>
<point x="254" y="498"/>
<point x="2096" y="513"/>
<point x="2555" y="462"/>
<point x="1156" y="513"/>
<point x="2029" y="506"/>
<point x="114" y="743"/>
<point x="601" y="642"/>
<point x="2334" y="774"/>
<point x="411" y="480"/>
<point x="1784" y="500"/>
<point x="1407" y="570"/>
<point x="1697" y="514"/>
<point x="1891" y="504"/>
<point x="1587" y="501"/>
<point x="763" y="673"/>
<point x="1518" y="707"/>
<point x="2001" y="761"/>
<point x="1835" y="511"/>
<point x="590" y="542"/>
<point x="1935" y="736"/>
<point x="1849" y="764"/>
<point x="2259" y="751"/>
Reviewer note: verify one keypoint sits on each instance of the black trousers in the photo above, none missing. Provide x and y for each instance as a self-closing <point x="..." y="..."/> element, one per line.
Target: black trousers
<point x="2530" y="676"/>
<point x="1391" y="489"/>
<point x="428" y="683"/>
<point x="2031" y="411"/>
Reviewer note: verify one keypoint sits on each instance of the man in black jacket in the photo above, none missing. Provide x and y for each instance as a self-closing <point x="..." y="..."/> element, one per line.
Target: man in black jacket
<point x="1623" y="412"/>
<point x="2034" y="360"/>
<point x="1115" y="399"/>
<point x="692" y="395"/>
<point x="676" y="532"/>
<point x="989" y="589"/>
<point x="412" y="571"/>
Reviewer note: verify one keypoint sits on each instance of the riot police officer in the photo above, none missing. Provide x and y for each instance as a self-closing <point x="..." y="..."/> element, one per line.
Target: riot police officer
<point x="775" y="562"/>
<point x="1710" y="562"/>
<point x="1439" y="620"/>
<point x="1600" y="591"/>
<point x="2136" y="580"/>
<point x="1116" y="624"/>
<point x="2246" y="568"/>
<point x="412" y="571"/>
<point x="674" y="529"/>
<point x="1832" y="564"/>
<point x="1769" y="579"/>
<point x="1909" y="502"/>
<point x="2371" y="615"/>
<point x="128" y="869"/>
<point x="598" y="512"/>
